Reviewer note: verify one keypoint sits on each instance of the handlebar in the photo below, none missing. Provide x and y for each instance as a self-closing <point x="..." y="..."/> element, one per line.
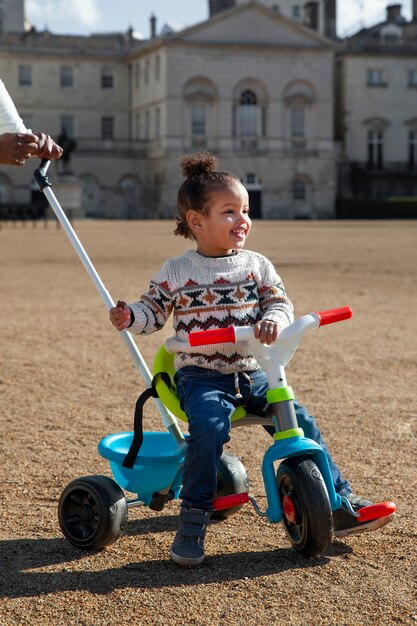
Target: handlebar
<point x="40" y="175"/>
<point x="232" y="334"/>
<point x="334" y="315"/>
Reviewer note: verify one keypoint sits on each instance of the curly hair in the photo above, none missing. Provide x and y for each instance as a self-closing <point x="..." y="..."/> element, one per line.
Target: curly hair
<point x="201" y="180"/>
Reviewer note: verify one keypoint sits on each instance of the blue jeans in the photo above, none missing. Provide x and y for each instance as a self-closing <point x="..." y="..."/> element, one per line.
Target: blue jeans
<point x="209" y="400"/>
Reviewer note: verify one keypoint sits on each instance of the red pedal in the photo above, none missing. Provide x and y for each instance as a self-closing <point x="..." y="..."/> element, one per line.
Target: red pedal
<point x="375" y="511"/>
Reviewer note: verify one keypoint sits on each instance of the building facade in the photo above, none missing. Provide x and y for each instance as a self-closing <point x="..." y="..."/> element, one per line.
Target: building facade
<point x="377" y="110"/>
<point x="254" y="84"/>
<point x="249" y="84"/>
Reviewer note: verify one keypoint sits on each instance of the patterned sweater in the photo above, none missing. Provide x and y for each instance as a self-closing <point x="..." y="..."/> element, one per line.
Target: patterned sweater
<point x="212" y="292"/>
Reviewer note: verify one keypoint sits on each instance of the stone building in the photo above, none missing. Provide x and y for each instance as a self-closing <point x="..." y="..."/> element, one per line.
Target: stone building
<point x="320" y="15"/>
<point x="250" y="84"/>
<point x="377" y="109"/>
<point x="255" y="88"/>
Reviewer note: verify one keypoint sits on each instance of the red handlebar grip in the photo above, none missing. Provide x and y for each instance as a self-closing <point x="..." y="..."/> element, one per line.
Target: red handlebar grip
<point x="334" y="315"/>
<point x="206" y="337"/>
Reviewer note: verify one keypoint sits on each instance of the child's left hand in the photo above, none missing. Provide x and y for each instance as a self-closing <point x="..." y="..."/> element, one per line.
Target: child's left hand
<point x="266" y="331"/>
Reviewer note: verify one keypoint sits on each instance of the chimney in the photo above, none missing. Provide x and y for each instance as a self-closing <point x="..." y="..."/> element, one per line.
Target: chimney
<point x="152" y="21"/>
<point x="393" y="12"/>
<point x="311" y="15"/>
<point x="217" y="6"/>
<point x="330" y="18"/>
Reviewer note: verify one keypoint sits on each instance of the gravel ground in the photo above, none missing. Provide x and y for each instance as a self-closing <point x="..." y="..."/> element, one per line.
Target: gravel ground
<point x="66" y="380"/>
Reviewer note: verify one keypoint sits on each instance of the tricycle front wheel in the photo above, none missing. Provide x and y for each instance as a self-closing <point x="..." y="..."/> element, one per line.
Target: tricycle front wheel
<point x="92" y="512"/>
<point x="305" y="502"/>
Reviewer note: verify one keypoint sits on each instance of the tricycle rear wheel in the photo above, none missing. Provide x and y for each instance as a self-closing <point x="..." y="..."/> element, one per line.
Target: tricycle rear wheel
<point x="92" y="512"/>
<point x="232" y="478"/>
<point x="307" y="512"/>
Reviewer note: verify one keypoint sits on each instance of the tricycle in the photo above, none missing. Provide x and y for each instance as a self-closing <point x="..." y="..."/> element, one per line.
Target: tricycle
<point x="93" y="510"/>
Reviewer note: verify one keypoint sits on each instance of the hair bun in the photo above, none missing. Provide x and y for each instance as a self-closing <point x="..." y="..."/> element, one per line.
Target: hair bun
<point x="202" y="163"/>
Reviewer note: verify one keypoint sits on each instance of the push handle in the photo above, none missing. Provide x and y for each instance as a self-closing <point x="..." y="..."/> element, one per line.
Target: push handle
<point x="206" y="337"/>
<point x="334" y="315"/>
<point x="40" y="175"/>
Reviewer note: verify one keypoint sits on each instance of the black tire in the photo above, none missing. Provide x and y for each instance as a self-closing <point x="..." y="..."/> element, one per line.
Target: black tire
<point x="232" y="478"/>
<point x="92" y="512"/>
<point x="305" y="501"/>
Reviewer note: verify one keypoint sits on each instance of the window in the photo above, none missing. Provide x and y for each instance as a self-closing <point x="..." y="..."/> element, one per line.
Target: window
<point x="412" y="78"/>
<point x="296" y="11"/>
<point x="299" y="190"/>
<point x="67" y="125"/>
<point x="376" y="78"/>
<point x="198" y="120"/>
<point x="66" y="76"/>
<point x="137" y="125"/>
<point x="147" y="125"/>
<point x="412" y="149"/>
<point x="157" y="123"/>
<point x="107" y="78"/>
<point x="297" y="123"/>
<point x="137" y="75"/>
<point x="146" y="71"/>
<point x="25" y="75"/>
<point x="107" y="127"/>
<point x="157" y="67"/>
<point x="248" y="115"/>
<point x="375" y="149"/>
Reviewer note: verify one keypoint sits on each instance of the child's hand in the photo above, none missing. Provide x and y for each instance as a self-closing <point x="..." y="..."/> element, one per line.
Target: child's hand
<point x="120" y="315"/>
<point x="266" y="331"/>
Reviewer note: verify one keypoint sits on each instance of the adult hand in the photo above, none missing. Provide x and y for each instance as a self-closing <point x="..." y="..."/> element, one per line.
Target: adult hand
<point x="47" y="148"/>
<point x="266" y="331"/>
<point x="16" y="148"/>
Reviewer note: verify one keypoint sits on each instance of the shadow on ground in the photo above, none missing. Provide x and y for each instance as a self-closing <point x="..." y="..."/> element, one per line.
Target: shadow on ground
<point x="22" y="558"/>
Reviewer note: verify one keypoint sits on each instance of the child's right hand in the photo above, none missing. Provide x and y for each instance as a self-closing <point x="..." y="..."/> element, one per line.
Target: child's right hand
<point x="120" y="315"/>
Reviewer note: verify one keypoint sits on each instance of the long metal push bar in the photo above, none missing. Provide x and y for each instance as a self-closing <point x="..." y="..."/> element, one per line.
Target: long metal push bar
<point x="41" y="178"/>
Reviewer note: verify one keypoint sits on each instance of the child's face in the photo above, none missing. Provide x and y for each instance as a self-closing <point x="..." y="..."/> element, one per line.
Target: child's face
<point x="227" y="224"/>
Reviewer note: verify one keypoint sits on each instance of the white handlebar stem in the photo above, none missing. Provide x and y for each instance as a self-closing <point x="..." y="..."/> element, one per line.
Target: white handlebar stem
<point x="283" y="349"/>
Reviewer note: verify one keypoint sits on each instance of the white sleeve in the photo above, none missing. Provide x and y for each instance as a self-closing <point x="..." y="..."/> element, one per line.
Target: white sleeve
<point x="10" y="121"/>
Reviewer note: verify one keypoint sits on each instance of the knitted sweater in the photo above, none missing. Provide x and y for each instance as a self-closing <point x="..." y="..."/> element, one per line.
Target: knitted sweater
<point x="10" y="121"/>
<point x="212" y="292"/>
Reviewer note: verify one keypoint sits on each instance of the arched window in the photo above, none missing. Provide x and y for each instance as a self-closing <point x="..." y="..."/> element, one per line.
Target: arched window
<point x="376" y="127"/>
<point x="298" y="190"/>
<point x="299" y="96"/>
<point x="249" y="113"/>
<point x="200" y="95"/>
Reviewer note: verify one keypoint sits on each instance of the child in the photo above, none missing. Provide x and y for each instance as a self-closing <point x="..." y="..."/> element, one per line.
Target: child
<point x="217" y="285"/>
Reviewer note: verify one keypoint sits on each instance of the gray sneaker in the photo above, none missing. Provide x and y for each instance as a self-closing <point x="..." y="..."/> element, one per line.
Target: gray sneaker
<point x="188" y="545"/>
<point x="345" y="519"/>
<point x="357" y="502"/>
